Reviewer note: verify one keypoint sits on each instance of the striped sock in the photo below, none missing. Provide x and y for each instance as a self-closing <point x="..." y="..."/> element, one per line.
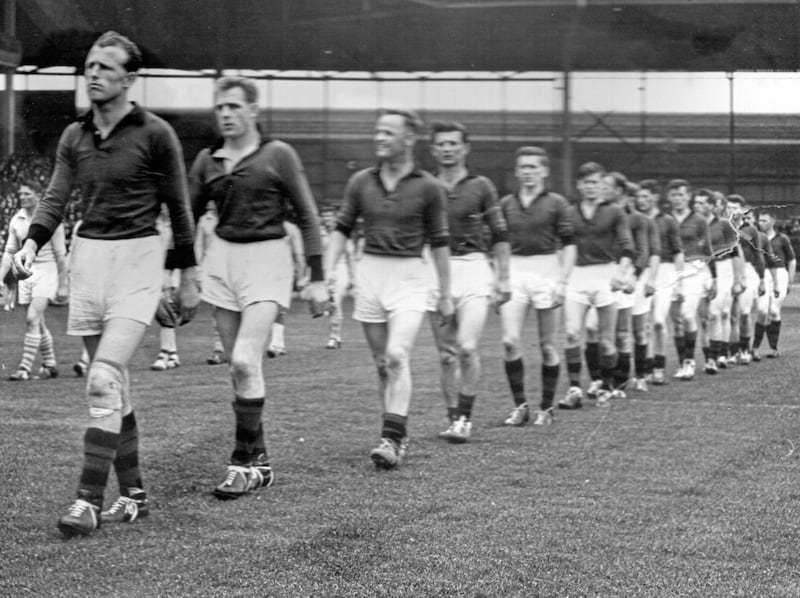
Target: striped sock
<point x="394" y="427"/>
<point x="773" y="334"/>
<point x="48" y="352"/>
<point x="592" y="356"/>
<point x="640" y="360"/>
<point x="549" y="384"/>
<point x="573" y="355"/>
<point x="248" y="421"/>
<point x="608" y="363"/>
<point x="758" y="336"/>
<point x="126" y="462"/>
<point x="465" y="403"/>
<point x="30" y="348"/>
<point x="515" y="372"/>
<point x="99" y="449"/>
<point x="623" y="370"/>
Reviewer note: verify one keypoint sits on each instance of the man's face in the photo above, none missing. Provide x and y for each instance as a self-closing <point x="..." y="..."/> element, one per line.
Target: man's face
<point x="765" y="222"/>
<point x="611" y="192"/>
<point x="28" y="198"/>
<point x="646" y="200"/>
<point x="235" y="115"/>
<point x="703" y="205"/>
<point x="591" y="187"/>
<point x="392" y="136"/>
<point x="448" y="148"/>
<point x="105" y="74"/>
<point x="530" y="171"/>
<point x="678" y="198"/>
<point x="736" y="212"/>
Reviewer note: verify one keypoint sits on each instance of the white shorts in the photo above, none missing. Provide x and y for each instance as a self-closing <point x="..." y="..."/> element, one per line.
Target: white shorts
<point x="42" y="283"/>
<point x="666" y="278"/>
<point x="389" y="284"/>
<point x="747" y="298"/>
<point x="471" y="277"/>
<point x="723" y="299"/>
<point x="113" y="279"/>
<point x="696" y="278"/>
<point x="642" y="304"/>
<point x="591" y="285"/>
<point x="236" y="275"/>
<point x="534" y="279"/>
<point x="624" y="300"/>
<point x="768" y="303"/>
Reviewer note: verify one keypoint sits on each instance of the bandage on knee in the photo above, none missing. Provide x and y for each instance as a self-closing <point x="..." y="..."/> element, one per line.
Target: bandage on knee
<point x="104" y="385"/>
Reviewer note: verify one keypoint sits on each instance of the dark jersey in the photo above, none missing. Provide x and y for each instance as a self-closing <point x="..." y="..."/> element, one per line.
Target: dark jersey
<point x="669" y="236"/>
<point x="779" y="251"/>
<point x="541" y="228"/>
<point x="471" y="206"/>
<point x="753" y="248"/>
<point x="602" y="239"/>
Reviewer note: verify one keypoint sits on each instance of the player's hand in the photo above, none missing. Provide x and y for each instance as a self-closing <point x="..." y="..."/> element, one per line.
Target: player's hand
<point x="738" y="288"/>
<point x="762" y="288"/>
<point x="649" y="288"/>
<point x="712" y="290"/>
<point x="23" y="260"/>
<point x="560" y="293"/>
<point x="776" y="293"/>
<point x="445" y="310"/>
<point x="318" y="297"/>
<point x="501" y="295"/>
<point x="187" y="297"/>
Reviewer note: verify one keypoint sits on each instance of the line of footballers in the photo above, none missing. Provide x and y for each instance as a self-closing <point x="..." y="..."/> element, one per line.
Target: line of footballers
<point x="621" y="266"/>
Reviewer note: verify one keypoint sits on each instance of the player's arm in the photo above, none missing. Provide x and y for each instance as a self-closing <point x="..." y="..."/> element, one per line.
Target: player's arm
<point x="568" y="254"/>
<point x="59" y="242"/>
<point x="439" y="235"/>
<point x="294" y="178"/>
<point x="625" y="246"/>
<point x="346" y="220"/>
<point x="173" y="190"/>
<point x="501" y="248"/>
<point x="12" y="246"/>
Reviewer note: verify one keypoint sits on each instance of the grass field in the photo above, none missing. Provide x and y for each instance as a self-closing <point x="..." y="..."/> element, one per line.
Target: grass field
<point x="689" y="490"/>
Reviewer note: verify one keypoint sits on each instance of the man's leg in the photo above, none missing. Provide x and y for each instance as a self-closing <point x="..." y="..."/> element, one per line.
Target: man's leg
<point x="106" y="381"/>
<point x="390" y="344"/>
<point x="574" y="315"/>
<point x="606" y="329"/>
<point x="34" y="321"/>
<point x="624" y="346"/>
<point x="244" y="337"/>
<point x="548" y="320"/>
<point x="449" y="370"/>
<point x="512" y="317"/>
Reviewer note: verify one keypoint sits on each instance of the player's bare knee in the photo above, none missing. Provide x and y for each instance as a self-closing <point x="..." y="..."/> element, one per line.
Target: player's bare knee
<point x="243" y="369"/>
<point x="104" y="383"/>
<point x="607" y="347"/>
<point x="549" y="353"/>
<point x="396" y="358"/>
<point x="468" y="348"/>
<point x="511" y="346"/>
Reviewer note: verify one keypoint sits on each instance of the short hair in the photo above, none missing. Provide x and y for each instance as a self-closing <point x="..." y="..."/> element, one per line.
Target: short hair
<point x="703" y="192"/>
<point x="768" y="212"/>
<point x="650" y="185"/>
<point x="247" y="85"/>
<point x="33" y="184"/>
<point x="737" y="199"/>
<point x="590" y="168"/>
<point x="631" y="189"/>
<point x="620" y="180"/>
<point x="532" y="150"/>
<point x="411" y="119"/>
<point x="112" y="38"/>
<point x="677" y="184"/>
<point x="449" y="126"/>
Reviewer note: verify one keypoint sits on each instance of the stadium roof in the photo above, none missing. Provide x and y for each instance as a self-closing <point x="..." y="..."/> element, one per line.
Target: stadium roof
<point x="421" y="35"/>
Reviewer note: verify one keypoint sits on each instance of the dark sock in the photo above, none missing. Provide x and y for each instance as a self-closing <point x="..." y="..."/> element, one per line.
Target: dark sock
<point x="623" y="370"/>
<point x="592" y="356"/>
<point x="712" y="351"/>
<point x="707" y="351"/>
<point x="724" y="349"/>
<point x="126" y="462"/>
<point x="465" y="403"/>
<point x="608" y="363"/>
<point x="680" y="347"/>
<point x="773" y="334"/>
<point x="99" y="449"/>
<point x="515" y="372"/>
<point x="758" y="336"/>
<point x="574" y="365"/>
<point x="248" y="421"/>
<point x="659" y="362"/>
<point x="452" y="413"/>
<point x="640" y="360"/>
<point x="394" y="427"/>
<point x="549" y="384"/>
<point x="689" y="341"/>
<point x="650" y="366"/>
<point x="744" y="343"/>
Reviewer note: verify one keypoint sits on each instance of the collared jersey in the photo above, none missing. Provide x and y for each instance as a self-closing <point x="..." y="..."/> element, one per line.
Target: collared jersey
<point x="55" y="248"/>
<point x="541" y="228"/>
<point x="723" y="238"/>
<point x="252" y="198"/>
<point x="603" y="239"/>
<point x="669" y="236"/>
<point x="779" y="251"/>
<point x="694" y="237"/>
<point x="398" y="222"/>
<point x="753" y="248"/>
<point x="123" y="180"/>
<point x="472" y="205"/>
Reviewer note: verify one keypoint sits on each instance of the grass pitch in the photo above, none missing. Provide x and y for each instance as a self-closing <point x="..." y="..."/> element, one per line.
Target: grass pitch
<point x="688" y="490"/>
